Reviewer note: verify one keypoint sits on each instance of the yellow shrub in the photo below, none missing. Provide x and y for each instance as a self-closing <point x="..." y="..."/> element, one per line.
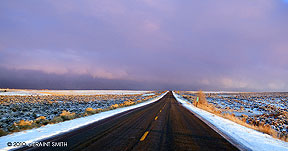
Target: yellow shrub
<point x="114" y="106"/>
<point x="127" y="103"/>
<point x="92" y="111"/>
<point x="99" y="110"/>
<point x="66" y="115"/>
<point x="41" y="118"/>
<point x="24" y="123"/>
<point x="56" y="119"/>
<point x="89" y="109"/>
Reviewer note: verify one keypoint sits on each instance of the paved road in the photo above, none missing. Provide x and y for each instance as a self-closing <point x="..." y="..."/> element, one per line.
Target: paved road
<point x="163" y="125"/>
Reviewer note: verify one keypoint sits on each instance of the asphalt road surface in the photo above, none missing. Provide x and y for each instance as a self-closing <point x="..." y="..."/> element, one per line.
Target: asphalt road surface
<point x="163" y="125"/>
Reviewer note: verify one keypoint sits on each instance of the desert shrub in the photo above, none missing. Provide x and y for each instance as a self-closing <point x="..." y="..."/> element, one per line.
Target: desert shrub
<point x="56" y="119"/>
<point x="202" y="98"/>
<point x="107" y="109"/>
<point x="2" y="132"/>
<point x="127" y="103"/>
<point x="41" y="120"/>
<point x="66" y="115"/>
<point x="114" y="106"/>
<point x="14" y="109"/>
<point x="22" y="124"/>
<point x="90" y="111"/>
<point x="84" y="114"/>
<point x="13" y="128"/>
<point x="203" y="104"/>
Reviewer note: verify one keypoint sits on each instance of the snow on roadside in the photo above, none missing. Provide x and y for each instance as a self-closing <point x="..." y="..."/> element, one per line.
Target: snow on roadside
<point x="37" y="134"/>
<point x="248" y="137"/>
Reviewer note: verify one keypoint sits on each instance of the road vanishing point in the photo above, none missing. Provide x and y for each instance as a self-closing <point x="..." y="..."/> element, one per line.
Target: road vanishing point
<point x="160" y="126"/>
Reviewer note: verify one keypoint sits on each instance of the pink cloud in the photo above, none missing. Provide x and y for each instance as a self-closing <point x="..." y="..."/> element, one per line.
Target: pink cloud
<point x="151" y="26"/>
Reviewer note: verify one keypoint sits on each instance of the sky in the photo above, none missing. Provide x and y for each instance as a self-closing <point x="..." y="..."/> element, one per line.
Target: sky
<point x="231" y="45"/>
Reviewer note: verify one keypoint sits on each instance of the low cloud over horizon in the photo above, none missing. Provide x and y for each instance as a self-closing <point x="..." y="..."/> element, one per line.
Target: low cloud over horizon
<point x="144" y="44"/>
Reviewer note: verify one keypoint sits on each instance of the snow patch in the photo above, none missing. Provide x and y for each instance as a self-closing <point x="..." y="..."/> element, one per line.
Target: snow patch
<point x="148" y="94"/>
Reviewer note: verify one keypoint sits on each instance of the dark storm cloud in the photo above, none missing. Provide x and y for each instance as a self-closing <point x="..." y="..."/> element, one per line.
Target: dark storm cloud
<point x="31" y="79"/>
<point x="145" y="44"/>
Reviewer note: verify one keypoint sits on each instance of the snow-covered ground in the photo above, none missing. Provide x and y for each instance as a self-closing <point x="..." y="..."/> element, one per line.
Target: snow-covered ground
<point x="23" y="92"/>
<point x="148" y="94"/>
<point x="250" y="138"/>
<point x="37" y="134"/>
<point x="19" y="93"/>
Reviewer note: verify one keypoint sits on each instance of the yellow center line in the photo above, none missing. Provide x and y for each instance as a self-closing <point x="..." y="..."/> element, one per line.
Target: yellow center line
<point x="156" y="118"/>
<point x="144" y="136"/>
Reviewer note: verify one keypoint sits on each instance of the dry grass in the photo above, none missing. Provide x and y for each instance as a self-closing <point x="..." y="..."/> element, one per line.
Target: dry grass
<point x="265" y="128"/>
<point x="260" y="127"/>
